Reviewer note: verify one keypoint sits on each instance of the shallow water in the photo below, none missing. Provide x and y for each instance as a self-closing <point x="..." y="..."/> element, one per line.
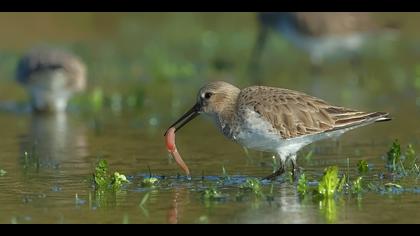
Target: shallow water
<point x="49" y="159"/>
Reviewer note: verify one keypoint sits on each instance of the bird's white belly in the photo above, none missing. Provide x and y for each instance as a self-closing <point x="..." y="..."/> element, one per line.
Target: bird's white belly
<point x="256" y="133"/>
<point x="49" y="90"/>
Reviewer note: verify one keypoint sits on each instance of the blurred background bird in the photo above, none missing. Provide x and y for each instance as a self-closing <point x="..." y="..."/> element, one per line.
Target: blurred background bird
<point x="322" y="35"/>
<point x="51" y="77"/>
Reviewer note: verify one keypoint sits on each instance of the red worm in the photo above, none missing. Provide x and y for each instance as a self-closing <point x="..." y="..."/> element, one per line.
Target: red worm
<point x="170" y="145"/>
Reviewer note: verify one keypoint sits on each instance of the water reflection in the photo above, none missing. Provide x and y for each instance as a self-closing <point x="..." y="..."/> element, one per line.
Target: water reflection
<point x="179" y="200"/>
<point x="53" y="139"/>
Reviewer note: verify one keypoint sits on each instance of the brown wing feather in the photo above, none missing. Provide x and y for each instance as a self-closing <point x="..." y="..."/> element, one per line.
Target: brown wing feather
<point x="295" y="114"/>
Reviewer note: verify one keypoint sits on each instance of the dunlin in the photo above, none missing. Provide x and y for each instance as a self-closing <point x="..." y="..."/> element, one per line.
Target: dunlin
<point x="51" y="77"/>
<point x="276" y="120"/>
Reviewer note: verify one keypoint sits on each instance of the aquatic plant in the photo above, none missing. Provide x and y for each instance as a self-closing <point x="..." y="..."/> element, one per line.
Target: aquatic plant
<point x="118" y="180"/>
<point x="356" y="186"/>
<point x="402" y="163"/>
<point x="329" y="182"/>
<point x="252" y="184"/>
<point x="103" y="180"/>
<point x="149" y="182"/>
<point x="107" y="186"/>
<point x="225" y="176"/>
<point x="343" y="182"/>
<point x="100" y="176"/>
<point x="212" y="194"/>
<point x="2" y="172"/>
<point x="410" y="160"/>
<point x="328" y="186"/>
<point x="393" y="156"/>
<point x="302" y="186"/>
<point x="362" y="166"/>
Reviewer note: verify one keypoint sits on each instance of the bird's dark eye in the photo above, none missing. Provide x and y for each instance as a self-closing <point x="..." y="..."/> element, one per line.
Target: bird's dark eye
<point x="208" y="95"/>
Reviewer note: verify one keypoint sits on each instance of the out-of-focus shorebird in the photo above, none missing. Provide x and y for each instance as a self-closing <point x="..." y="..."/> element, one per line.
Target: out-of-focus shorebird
<point x="51" y="77"/>
<point x="321" y="34"/>
<point x="275" y="120"/>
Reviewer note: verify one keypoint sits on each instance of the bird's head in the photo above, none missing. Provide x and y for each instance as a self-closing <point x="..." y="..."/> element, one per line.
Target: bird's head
<point x="212" y="99"/>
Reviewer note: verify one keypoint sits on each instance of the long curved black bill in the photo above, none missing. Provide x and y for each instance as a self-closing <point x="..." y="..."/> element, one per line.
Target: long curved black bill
<point x="188" y="116"/>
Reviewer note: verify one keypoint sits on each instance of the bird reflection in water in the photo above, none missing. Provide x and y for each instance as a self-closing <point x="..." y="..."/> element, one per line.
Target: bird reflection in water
<point x="54" y="139"/>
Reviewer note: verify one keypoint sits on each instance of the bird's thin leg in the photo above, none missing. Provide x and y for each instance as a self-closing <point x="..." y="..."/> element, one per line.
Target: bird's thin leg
<point x="254" y="64"/>
<point x="315" y="70"/>
<point x="356" y="65"/>
<point x="316" y="64"/>
<point x="278" y="172"/>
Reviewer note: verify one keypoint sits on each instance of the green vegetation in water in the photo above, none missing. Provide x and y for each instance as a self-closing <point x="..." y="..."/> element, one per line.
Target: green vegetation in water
<point x="402" y="163"/>
<point x="212" y="194"/>
<point x="362" y="166"/>
<point x="118" y="180"/>
<point x="302" y="186"/>
<point x="329" y="182"/>
<point x="342" y="183"/>
<point x="357" y="185"/>
<point x="252" y="184"/>
<point x="149" y="182"/>
<point x="103" y="180"/>
<point x="225" y="176"/>
<point x="393" y="156"/>
<point x="2" y="172"/>
<point x="107" y="187"/>
<point x="328" y="186"/>
<point x="410" y="156"/>
<point x="325" y="193"/>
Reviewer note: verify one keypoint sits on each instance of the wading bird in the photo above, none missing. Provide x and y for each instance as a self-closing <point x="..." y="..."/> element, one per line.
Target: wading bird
<point x="321" y="34"/>
<point x="51" y="77"/>
<point x="272" y="119"/>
